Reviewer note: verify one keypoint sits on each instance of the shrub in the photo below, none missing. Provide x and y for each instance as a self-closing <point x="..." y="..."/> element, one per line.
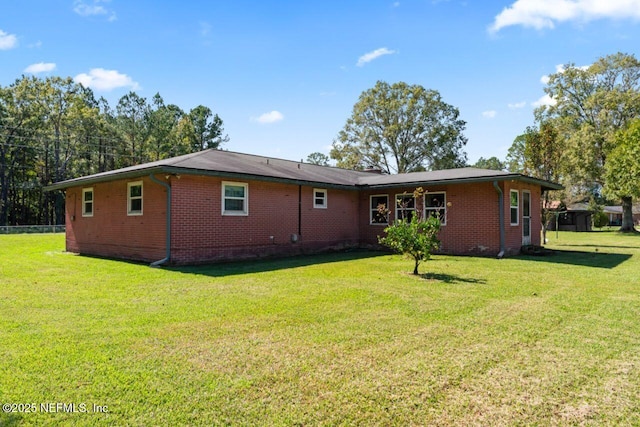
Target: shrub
<point x="415" y="238"/>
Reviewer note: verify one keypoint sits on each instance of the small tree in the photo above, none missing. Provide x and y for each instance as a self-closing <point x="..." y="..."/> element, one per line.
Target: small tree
<point x="598" y="218"/>
<point x="414" y="237"/>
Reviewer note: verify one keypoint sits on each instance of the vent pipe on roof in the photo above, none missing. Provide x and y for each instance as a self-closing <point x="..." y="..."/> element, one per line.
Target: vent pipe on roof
<point x="168" y="223"/>
<point x="500" y="217"/>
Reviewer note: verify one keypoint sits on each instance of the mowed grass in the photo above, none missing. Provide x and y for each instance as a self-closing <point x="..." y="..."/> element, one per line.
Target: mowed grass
<point x="337" y="339"/>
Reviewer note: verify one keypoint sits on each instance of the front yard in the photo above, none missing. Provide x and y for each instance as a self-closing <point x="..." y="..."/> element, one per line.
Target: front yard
<point x="338" y="339"/>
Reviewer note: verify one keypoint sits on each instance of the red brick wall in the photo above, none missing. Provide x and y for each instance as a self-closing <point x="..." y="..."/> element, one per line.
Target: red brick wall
<point x="110" y="232"/>
<point x="472" y="225"/>
<point x="514" y="233"/>
<point x="201" y="233"/>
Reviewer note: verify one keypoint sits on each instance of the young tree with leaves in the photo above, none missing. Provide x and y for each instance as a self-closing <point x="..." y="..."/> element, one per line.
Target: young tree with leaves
<point x="401" y="128"/>
<point x="415" y="237"/>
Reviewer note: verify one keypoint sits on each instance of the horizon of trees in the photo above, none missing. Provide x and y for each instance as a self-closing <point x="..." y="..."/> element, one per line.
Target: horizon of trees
<point x="53" y="129"/>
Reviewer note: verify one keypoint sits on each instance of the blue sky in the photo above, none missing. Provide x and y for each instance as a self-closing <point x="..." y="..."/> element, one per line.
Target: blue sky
<point x="284" y="76"/>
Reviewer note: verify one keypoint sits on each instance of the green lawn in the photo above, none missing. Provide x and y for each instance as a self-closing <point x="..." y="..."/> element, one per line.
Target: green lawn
<point x="339" y="339"/>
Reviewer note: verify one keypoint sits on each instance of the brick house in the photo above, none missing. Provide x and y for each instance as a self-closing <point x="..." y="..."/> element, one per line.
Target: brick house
<point x="218" y="205"/>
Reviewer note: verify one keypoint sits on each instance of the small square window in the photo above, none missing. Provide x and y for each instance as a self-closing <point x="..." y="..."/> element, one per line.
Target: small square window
<point x="134" y="198"/>
<point x="405" y="206"/>
<point x="435" y="204"/>
<point x="379" y="209"/>
<point x="235" y="198"/>
<point x="87" y="202"/>
<point x="319" y="198"/>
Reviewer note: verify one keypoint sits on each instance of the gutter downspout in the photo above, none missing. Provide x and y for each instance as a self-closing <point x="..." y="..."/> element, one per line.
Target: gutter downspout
<point x="299" y="210"/>
<point x="168" y="233"/>
<point x="500" y="217"/>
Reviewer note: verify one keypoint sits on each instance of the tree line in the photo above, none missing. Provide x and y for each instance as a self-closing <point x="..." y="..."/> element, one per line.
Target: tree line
<point x="587" y="138"/>
<point x="54" y="129"/>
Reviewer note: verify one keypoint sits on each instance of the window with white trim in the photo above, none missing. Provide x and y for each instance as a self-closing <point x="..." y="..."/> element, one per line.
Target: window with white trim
<point x="235" y="198"/>
<point x="134" y="198"/>
<point x="379" y="209"/>
<point x="514" y="206"/>
<point x="405" y="206"/>
<point x="87" y="201"/>
<point x="319" y="198"/>
<point x="435" y="204"/>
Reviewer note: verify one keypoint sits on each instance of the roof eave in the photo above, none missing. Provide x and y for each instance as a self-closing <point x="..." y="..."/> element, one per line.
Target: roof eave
<point x="78" y="182"/>
<point x="168" y="169"/>
<point x="93" y="179"/>
<point x="545" y="185"/>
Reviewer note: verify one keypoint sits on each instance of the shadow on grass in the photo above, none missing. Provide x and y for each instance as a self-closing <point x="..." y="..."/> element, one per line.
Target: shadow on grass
<point x="10" y="420"/>
<point x="450" y="278"/>
<point x="586" y="259"/>
<point x="599" y="246"/>
<point x="272" y="264"/>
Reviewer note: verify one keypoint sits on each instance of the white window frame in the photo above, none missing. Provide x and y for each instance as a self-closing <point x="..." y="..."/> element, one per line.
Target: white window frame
<point x="323" y="205"/>
<point x="373" y="210"/>
<point x="398" y="209"/>
<point x="131" y="212"/>
<point x="443" y="208"/>
<point x="245" y="199"/>
<point x="516" y="207"/>
<point x="85" y="202"/>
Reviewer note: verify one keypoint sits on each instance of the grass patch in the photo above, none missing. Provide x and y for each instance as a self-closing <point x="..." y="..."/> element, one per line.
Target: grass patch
<point x="337" y="339"/>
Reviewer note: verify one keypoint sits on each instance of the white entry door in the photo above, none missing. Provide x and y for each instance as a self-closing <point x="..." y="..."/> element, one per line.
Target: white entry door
<point x="526" y="218"/>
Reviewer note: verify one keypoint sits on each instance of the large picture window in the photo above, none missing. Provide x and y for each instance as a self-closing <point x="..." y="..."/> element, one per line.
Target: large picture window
<point x="405" y="206"/>
<point x="87" y="202"/>
<point x="134" y="198"/>
<point x="379" y="209"/>
<point x="514" y="204"/>
<point x="235" y="198"/>
<point x="435" y="204"/>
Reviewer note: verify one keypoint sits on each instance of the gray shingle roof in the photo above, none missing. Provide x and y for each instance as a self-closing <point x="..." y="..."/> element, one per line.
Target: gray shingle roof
<point x="246" y="166"/>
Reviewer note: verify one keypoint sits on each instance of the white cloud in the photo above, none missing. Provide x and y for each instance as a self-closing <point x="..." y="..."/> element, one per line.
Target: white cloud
<point x="93" y="8"/>
<point x="271" y="117"/>
<point x="517" y="105"/>
<point x="368" y="57"/>
<point x="540" y="14"/>
<point x="544" y="100"/>
<point x="490" y="114"/>
<point x="560" y="69"/>
<point x="40" y="67"/>
<point x="7" y="41"/>
<point x="105" y="80"/>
